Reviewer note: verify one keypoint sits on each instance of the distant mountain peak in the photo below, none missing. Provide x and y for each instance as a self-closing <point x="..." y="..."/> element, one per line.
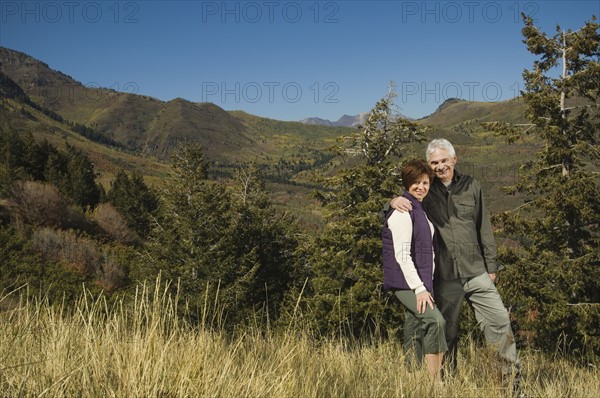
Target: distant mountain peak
<point x="449" y="102"/>
<point x="344" y="121"/>
<point x="317" y="120"/>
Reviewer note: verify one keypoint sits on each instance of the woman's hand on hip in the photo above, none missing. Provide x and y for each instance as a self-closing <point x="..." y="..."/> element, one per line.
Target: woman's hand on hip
<point x="423" y="300"/>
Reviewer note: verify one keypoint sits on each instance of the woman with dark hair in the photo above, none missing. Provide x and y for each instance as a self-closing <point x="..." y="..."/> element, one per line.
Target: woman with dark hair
<point x="408" y="268"/>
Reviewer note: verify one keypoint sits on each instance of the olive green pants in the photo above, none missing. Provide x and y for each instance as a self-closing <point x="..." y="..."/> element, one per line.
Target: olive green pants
<point x="423" y="333"/>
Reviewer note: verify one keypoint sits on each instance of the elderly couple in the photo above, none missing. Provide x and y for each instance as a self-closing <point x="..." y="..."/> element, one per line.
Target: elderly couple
<point x="440" y="226"/>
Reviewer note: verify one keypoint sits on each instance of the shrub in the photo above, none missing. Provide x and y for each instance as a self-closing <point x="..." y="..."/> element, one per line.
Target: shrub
<point x="112" y="273"/>
<point x="78" y="254"/>
<point x="20" y="265"/>
<point x="38" y="204"/>
<point x="107" y="266"/>
<point x="114" y="224"/>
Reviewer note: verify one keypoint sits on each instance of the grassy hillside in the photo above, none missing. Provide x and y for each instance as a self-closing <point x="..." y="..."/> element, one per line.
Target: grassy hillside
<point x="50" y="103"/>
<point x="459" y="115"/>
<point x="287" y="152"/>
<point x="23" y="118"/>
<point x="149" y="126"/>
<point x="290" y="141"/>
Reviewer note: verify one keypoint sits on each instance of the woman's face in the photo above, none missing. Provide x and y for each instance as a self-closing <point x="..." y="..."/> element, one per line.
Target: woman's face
<point x="420" y="187"/>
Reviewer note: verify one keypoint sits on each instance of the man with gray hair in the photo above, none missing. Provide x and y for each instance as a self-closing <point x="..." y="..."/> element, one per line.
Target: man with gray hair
<point x="465" y="257"/>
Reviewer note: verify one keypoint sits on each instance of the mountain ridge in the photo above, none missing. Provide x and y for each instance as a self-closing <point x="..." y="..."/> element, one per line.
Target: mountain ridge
<point x="152" y="127"/>
<point x="141" y="124"/>
<point x="352" y="121"/>
<point x="139" y="131"/>
<point x="343" y="121"/>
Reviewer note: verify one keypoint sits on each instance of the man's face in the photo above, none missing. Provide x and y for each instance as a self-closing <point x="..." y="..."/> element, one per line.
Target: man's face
<point x="442" y="164"/>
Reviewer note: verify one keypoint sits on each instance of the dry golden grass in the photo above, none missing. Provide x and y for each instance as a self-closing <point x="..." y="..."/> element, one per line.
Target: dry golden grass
<point x="143" y="350"/>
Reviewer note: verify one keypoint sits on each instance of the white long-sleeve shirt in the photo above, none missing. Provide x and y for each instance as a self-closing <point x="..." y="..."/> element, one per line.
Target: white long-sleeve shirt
<point x="401" y="226"/>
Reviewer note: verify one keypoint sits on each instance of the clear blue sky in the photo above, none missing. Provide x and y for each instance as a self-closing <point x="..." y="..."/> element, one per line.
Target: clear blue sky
<point x="289" y="60"/>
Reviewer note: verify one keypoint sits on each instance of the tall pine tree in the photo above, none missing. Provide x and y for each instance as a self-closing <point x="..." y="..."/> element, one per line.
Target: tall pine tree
<point x="555" y="274"/>
<point x="225" y="248"/>
<point x="345" y="265"/>
<point x="134" y="199"/>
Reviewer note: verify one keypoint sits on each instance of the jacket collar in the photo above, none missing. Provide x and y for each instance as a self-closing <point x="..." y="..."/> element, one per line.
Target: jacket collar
<point x="416" y="203"/>
<point x="455" y="178"/>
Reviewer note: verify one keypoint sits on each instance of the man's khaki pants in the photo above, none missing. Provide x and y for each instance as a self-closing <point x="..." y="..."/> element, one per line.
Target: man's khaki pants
<point x="491" y="315"/>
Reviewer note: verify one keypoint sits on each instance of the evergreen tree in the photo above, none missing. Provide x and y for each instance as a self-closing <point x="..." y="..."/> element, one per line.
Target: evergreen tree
<point x="82" y="179"/>
<point x="21" y="157"/>
<point x="189" y="220"/>
<point x="36" y="157"/>
<point x="56" y="171"/>
<point x="72" y="172"/>
<point x="263" y="242"/>
<point x="344" y="294"/>
<point x="12" y="166"/>
<point x="134" y="200"/>
<point x="226" y="246"/>
<point x="555" y="276"/>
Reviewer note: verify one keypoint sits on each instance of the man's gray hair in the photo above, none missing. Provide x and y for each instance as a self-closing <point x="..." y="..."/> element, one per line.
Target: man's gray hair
<point x="440" y="143"/>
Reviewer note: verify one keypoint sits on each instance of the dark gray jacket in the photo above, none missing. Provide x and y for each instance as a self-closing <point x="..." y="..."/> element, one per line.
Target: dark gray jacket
<point x="465" y="244"/>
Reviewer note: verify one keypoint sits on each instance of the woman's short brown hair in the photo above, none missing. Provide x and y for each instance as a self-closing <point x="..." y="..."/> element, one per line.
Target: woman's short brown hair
<point x="413" y="170"/>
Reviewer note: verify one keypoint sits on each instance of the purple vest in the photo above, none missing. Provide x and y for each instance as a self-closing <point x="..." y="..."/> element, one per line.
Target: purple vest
<point x="421" y="250"/>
